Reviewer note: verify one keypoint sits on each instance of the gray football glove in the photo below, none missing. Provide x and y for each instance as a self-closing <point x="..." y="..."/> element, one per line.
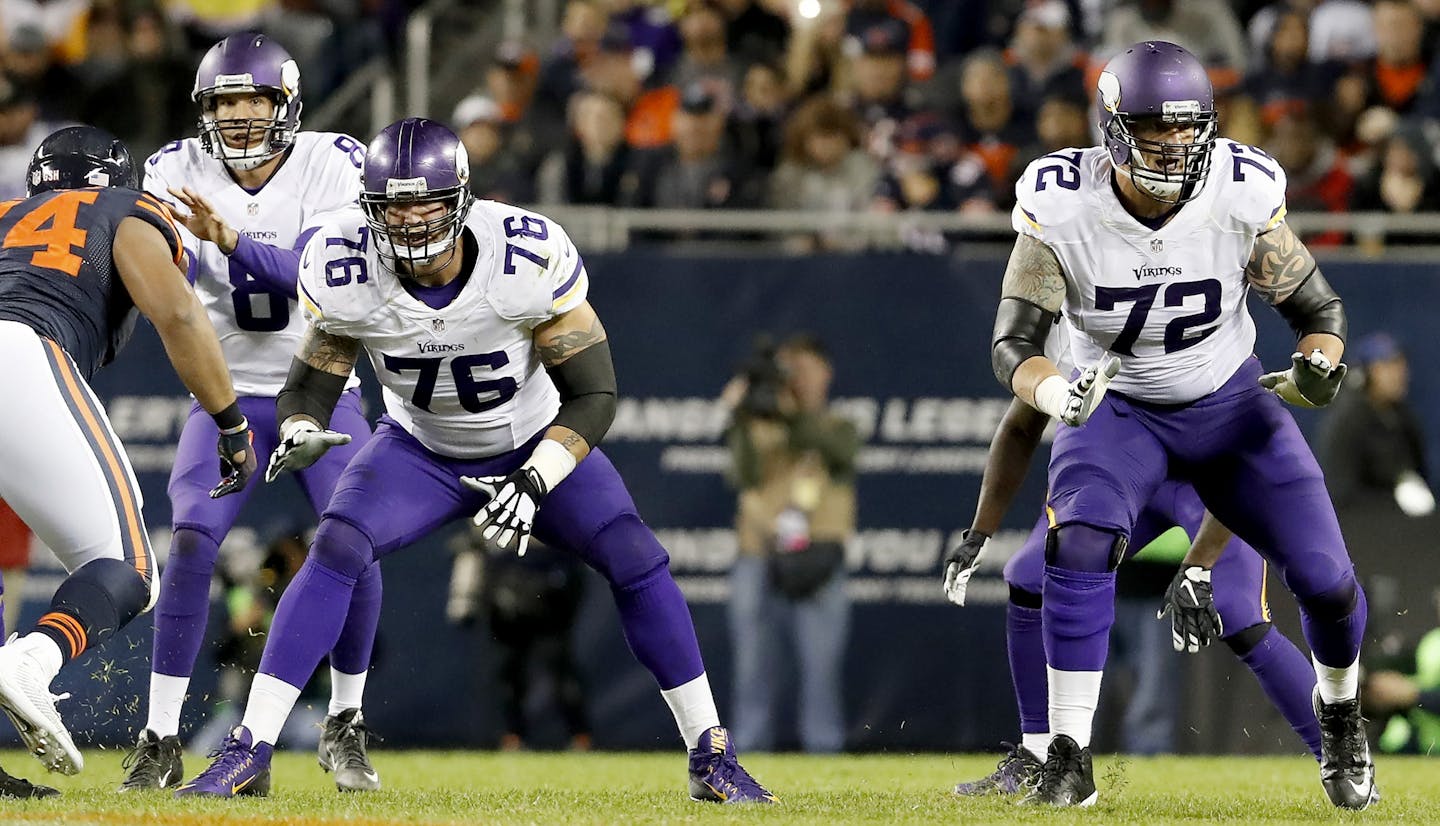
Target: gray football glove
<point x="1190" y="602"/>
<point x="1087" y="391"/>
<point x="1310" y="382"/>
<point x="302" y="443"/>
<point x="961" y="561"/>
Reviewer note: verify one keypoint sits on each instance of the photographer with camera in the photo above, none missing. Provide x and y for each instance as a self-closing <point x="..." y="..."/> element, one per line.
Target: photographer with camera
<point x="793" y="462"/>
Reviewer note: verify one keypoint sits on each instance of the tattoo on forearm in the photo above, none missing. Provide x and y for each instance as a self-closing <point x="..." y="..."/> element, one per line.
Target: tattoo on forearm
<point x="564" y="345"/>
<point x="333" y="354"/>
<point x="1279" y="264"/>
<point x="1034" y="274"/>
<point x="571" y="441"/>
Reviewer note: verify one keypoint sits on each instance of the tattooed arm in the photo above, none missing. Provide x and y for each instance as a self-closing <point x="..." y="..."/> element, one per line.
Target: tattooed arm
<point x="1283" y="272"/>
<point x="318" y="375"/>
<point x="576" y="354"/>
<point x="1031" y="295"/>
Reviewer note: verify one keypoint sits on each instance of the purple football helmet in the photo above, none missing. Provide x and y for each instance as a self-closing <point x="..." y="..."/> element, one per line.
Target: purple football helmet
<point x="1162" y="83"/>
<point x="415" y="160"/>
<point x="242" y="63"/>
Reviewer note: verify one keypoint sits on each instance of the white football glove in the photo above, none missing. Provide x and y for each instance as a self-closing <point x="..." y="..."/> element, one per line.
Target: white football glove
<point x="1073" y="402"/>
<point x="302" y="443"/>
<point x="506" y="520"/>
<point x="1310" y="382"/>
<point x="960" y="562"/>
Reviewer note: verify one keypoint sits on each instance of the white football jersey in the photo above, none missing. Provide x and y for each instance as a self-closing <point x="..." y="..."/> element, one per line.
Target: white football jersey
<point x="1169" y="302"/>
<point x="465" y="380"/>
<point x="259" y="331"/>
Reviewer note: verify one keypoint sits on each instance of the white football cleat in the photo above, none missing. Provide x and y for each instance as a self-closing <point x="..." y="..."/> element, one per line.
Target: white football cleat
<point x="26" y="699"/>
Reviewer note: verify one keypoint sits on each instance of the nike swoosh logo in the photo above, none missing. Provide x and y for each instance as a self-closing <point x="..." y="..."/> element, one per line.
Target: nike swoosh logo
<point x="238" y="787"/>
<point x="1190" y="591"/>
<point x="1362" y="789"/>
<point x="165" y="778"/>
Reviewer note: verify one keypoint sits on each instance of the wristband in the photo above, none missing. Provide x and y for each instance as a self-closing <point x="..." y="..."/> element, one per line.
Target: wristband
<point x="1051" y="396"/>
<point x="230" y="420"/>
<point x="552" y="462"/>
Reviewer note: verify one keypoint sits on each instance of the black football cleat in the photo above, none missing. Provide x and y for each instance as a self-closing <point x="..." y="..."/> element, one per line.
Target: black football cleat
<point x="1346" y="771"/>
<point x="154" y="763"/>
<point x="1066" y="779"/>
<point x="343" y="742"/>
<point x="22" y="789"/>
<point x="1015" y="772"/>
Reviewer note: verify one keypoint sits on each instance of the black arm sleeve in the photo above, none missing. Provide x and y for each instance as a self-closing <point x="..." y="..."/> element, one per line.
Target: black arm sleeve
<point x="586" y="382"/>
<point x="1314" y="308"/>
<point x="309" y="392"/>
<point x="1021" y="328"/>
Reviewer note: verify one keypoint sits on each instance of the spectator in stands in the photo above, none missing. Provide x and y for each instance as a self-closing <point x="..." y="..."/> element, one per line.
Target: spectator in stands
<point x="648" y="112"/>
<point x="697" y="171"/>
<point x="582" y="27"/>
<point x="1341" y="31"/>
<point x="29" y="63"/>
<point x="530" y="604"/>
<point x="878" y="85"/>
<point x="593" y="165"/>
<point x="1285" y="82"/>
<point x="753" y="32"/>
<point x="816" y="51"/>
<point x="652" y="32"/>
<point x="1061" y="123"/>
<point x="1318" y="179"/>
<point x="989" y="126"/>
<point x="758" y="122"/>
<point x="794" y="463"/>
<point x="1044" y="61"/>
<point x="1404" y="180"/>
<point x="919" y="35"/>
<point x="533" y="131"/>
<point x="824" y="168"/>
<point x="705" y="54"/>
<point x="21" y="130"/>
<point x="1372" y="445"/>
<point x="1396" y="76"/>
<point x="921" y="174"/>
<point x="495" y="171"/>
<point x="1207" y="28"/>
<point x="156" y="80"/>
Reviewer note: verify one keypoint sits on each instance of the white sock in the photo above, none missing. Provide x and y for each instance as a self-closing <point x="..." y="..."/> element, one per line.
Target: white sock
<point x="167" y="698"/>
<point x="1074" y="696"/>
<point x="46" y="653"/>
<point x="345" y="690"/>
<point x="1337" y="684"/>
<point x="694" y="708"/>
<point x="271" y="699"/>
<point x="1036" y="744"/>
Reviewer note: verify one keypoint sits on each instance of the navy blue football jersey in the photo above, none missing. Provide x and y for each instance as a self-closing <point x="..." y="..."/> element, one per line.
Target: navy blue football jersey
<point x="57" y="268"/>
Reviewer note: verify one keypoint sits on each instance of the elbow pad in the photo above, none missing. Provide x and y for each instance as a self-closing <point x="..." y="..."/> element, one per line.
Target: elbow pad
<point x="1314" y="308"/>
<point x="1021" y="328"/>
<point x="309" y="392"/>
<point x="588" y="394"/>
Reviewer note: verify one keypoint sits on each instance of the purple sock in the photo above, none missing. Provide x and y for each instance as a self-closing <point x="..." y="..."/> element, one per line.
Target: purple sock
<point x="307" y="622"/>
<point x="1025" y="644"/>
<point x="351" y="654"/>
<point x="1336" y="641"/>
<point x="184" y="604"/>
<point x="1079" y="608"/>
<point x="1288" y="679"/>
<point x="659" y="629"/>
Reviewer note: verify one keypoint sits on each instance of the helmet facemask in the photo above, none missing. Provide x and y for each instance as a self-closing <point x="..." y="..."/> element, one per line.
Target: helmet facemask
<point x="1171" y="173"/>
<point x="264" y="138"/>
<point x="426" y="245"/>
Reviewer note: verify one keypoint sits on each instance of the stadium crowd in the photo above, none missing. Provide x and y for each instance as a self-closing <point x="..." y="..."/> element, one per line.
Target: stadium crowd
<point x="821" y="105"/>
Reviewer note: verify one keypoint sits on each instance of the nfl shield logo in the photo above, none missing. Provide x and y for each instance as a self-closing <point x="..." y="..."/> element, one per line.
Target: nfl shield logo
<point x="252" y="210"/>
<point x="437" y="324"/>
<point x="1156" y="245"/>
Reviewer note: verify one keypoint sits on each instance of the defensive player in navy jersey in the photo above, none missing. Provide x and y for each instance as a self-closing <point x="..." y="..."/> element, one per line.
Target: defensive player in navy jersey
<point x="78" y="258"/>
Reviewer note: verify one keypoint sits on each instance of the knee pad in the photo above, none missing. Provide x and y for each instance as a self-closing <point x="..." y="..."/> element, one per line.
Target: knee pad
<point x="1335" y="604"/>
<point x="1025" y="599"/>
<point x="1244" y="641"/>
<point x="1079" y="547"/>
<point x="626" y="552"/>
<point x="342" y="547"/>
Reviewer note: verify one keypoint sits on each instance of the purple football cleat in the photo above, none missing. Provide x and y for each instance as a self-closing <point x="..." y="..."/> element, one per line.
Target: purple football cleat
<point x="1016" y="771"/>
<point x="716" y="775"/>
<point x="239" y="768"/>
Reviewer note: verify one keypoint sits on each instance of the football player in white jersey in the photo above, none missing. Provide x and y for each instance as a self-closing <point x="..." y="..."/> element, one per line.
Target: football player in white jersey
<point x="1149" y="245"/>
<point x="498" y="387"/>
<point x="255" y="189"/>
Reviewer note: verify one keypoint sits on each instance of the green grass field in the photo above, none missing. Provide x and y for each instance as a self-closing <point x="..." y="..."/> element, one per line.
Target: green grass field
<point x="493" y="788"/>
